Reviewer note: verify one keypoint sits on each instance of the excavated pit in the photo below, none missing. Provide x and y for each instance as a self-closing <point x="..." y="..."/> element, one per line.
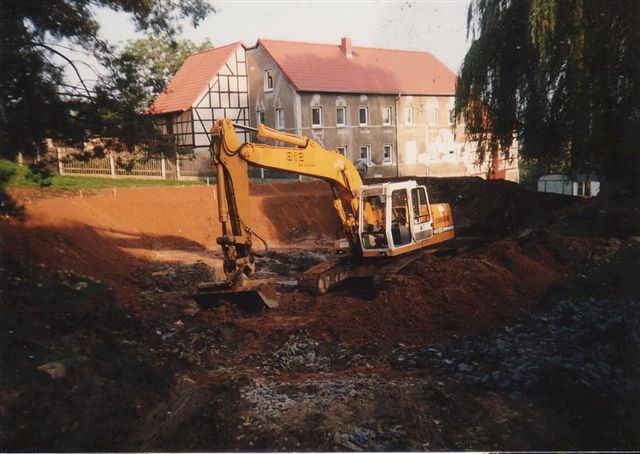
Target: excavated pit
<point x="98" y="284"/>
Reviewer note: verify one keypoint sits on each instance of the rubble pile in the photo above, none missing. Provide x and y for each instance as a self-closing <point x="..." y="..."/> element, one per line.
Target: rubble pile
<point x="572" y="344"/>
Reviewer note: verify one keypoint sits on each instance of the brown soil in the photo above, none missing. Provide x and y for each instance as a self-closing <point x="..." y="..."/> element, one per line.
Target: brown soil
<point x="109" y="233"/>
<point x="148" y="370"/>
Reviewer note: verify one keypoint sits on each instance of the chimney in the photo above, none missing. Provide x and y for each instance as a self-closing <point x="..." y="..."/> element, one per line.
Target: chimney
<point x="345" y="47"/>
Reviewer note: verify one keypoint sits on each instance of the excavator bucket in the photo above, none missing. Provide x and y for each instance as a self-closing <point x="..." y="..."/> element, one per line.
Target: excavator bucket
<point x="251" y="295"/>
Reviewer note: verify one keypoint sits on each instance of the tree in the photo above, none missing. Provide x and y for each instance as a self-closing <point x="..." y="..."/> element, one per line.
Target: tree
<point x="560" y="76"/>
<point x="33" y="102"/>
<point x="135" y="77"/>
<point x="156" y="60"/>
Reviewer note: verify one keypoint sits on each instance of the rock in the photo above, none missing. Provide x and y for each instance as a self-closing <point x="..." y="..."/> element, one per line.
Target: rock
<point x="55" y="370"/>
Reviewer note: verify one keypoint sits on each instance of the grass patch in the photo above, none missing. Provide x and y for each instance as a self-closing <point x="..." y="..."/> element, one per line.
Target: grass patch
<point x="17" y="176"/>
<point x="73" y="182"/>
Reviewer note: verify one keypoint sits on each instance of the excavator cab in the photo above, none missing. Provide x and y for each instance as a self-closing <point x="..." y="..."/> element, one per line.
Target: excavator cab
<point x="396" y="218"/>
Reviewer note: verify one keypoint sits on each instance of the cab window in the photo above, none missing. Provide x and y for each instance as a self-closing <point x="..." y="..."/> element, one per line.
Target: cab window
<point x="374" y="234"/>
<point x="420" y="206"/>
<point x="400" y="231"/>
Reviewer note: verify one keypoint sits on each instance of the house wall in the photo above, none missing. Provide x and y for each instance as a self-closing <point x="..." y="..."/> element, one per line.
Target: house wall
<point x="430" y="145"/>
<point x="178" y="124"/>
<point x="282" y="96"/>
<point x="352" y="135"/>
<point x="226" y="96"/>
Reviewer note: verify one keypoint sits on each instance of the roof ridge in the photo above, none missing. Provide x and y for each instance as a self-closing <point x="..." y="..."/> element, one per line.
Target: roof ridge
<point x="354" y="46"/>
<point x="215" y="48"/>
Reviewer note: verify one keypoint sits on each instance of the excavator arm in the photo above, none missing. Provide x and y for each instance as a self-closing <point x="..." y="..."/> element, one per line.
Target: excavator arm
<point x="306" y="157"/>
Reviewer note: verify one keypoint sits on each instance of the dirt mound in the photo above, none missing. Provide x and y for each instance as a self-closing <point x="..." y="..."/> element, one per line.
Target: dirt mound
<point x="431" y="300"/>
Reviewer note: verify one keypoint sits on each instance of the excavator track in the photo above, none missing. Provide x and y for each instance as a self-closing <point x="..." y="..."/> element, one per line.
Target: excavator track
<point x="327" y="275"/>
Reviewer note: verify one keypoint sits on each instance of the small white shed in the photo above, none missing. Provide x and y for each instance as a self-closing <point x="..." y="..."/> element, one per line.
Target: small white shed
<point x="582" y="185"/>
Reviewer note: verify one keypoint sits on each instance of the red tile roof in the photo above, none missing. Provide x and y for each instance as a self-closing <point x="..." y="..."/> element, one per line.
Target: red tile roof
<point x="325" y="68"/>
<point x="191" y="79"/>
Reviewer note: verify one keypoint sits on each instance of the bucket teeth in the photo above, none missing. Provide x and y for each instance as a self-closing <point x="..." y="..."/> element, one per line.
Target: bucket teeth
<point x="251" y="295"/>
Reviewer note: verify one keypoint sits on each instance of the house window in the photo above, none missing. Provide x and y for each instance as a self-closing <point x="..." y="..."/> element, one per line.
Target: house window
<point x="363" y="116"/>
<point x="268" y="79"/>
<point x="387" y="153"/>
<point x="279" y="119"/>
<point x="342" y="150"/>
<point x="262" y="119"/>
<point x="365" y="153"/>
<point x="433" y="115"/>
<point x="341" y="116"/>
<point x="316" y="117"/>
<point x="408" y="115"/>
<point x="452" y="116"/>
<point x="386" y="116"/>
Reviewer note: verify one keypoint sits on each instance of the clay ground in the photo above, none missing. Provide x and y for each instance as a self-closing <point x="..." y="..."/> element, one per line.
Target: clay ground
<point x="522" y="335"/>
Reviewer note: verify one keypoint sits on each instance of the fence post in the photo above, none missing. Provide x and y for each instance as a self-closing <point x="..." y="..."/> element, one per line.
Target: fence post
<point x="177" y="167"/>
<point x="163" y="166"/>
<point x="60" y="165"/>
<point x="262" y="173"/>
<point x="20" y="159"/>
<point x="112" y="163"/>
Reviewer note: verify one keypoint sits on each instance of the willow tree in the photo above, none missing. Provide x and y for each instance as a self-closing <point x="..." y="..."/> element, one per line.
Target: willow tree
<point x="561" y="77"/>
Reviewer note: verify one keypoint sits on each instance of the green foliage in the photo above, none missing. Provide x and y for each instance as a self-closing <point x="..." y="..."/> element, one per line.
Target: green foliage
<point x="136" y="76"/>
<point x="32" y="107"/>
<point x="8" y="207"/>
<point x="154" y="60"/>
<point x="560" y="76"/>
<point x="39" y="174"/>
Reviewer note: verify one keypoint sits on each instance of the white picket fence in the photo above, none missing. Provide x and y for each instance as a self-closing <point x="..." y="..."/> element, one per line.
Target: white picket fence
<point x="181" y="168"/>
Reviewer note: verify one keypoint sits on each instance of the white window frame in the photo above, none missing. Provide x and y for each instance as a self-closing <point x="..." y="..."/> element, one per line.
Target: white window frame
<point x="316" y="125"/>
<point x="408" y="120"/>
<point x="279" y="121"/>
<point x="344" y="117"/>
<point x="368" y="153"/>
<point x="384" y="110"/>
<point x="388" y="160"/>
<point x="433" y="115"/>
<point x="366" y="114"/>
<point x="342" y="150"/>
<point x="268" y="77"/>
<point x="262" y="114"/>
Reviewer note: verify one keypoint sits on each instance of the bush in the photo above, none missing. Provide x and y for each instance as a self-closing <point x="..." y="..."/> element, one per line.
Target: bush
<point x="8" y="206"/>
<point x="39" y="174"/>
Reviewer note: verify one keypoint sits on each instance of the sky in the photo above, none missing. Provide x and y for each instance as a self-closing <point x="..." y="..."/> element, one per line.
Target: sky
<point x="436" y="26"/>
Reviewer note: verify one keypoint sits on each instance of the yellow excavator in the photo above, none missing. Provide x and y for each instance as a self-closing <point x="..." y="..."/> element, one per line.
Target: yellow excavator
<point x="385" y="224"/>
